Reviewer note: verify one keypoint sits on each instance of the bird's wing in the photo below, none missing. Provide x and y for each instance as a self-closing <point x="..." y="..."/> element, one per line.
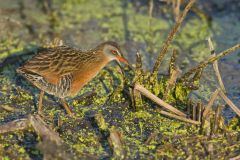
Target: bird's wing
<point x="53" y="63"/>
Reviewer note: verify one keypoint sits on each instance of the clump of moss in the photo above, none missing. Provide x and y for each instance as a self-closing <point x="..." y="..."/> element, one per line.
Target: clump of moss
<point x="234" y="124"/>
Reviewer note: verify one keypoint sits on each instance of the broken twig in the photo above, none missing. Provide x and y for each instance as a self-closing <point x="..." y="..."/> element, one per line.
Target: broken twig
<point x="15" y="125"/>
<point x="235" y="158"/>
<point x="157" y="100"/>
<point x="194" y="112"/>
<point x="199" y="111"/>
<point x="230" y="103"/>
<point x="179" y="117"/>
<point x="136" y="96"/>
<point x="171" y="83"/>
<point x="171" y="36"/>
<point x="8" y="108"/>
<point x="101" y="121"/>
<point x="115" y="141"/>
<point x="218" y="113"/>
<point x="174" y="73"/>
<point x="189" y="107"/>
<point x="151" y="137"/>
<point x="210" y="103"/>
<point x="210" y="60"/>
<point x="43" y="131"/>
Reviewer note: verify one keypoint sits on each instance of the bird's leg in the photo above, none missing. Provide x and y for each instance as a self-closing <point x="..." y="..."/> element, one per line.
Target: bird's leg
<point x="65" y="105"/>
<point x="40" y="101"/>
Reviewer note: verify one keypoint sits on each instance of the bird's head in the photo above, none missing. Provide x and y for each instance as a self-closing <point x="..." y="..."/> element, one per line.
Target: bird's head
<point x="112" y="51"/>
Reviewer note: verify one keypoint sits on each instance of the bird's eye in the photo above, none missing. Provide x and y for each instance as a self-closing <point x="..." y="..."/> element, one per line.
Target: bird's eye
<point x="114" y="52"/>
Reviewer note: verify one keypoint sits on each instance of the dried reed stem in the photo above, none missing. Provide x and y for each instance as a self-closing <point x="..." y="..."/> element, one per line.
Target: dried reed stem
<point x="176" y="8"/>
<point x="8" y="108"/>
<point x="230" y="103"/>
<point x="171" y="83"/>
<point x="15" y="125"/>
<point x="43" y="131"/>
<point x="150" y="15"/>
<point x="116" y="143"/>
<point x="136" y="96"/>
<point x="151" y="137"/>
<point x="210" y="103"/>
<point x="199" y="111"/>
<point x="171" y="36"/>
<point x="210" y="60"/>
<point x="189" y="107"/>
<point x="218" y="113"/>
<point x="179" y="117"/>
<point x="174" y="73"/>
<point x="157" y="100"/>
<point x="235" y="158"/>
<point x="194" y="112"/>
<point x="215" y="65"/>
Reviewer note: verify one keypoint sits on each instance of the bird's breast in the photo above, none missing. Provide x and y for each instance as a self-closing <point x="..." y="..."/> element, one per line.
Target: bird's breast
<point x="84" y="75"/>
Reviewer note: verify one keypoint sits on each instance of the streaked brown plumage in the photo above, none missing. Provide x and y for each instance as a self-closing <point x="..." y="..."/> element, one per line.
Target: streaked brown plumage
<point x="62" y="71"/>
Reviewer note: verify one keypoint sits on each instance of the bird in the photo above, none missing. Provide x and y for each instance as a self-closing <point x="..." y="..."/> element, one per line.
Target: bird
<point x="62" y="71"/>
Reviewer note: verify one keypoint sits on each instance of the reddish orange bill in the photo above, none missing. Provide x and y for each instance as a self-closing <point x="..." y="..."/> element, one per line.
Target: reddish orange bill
<point x="121" y="59"/>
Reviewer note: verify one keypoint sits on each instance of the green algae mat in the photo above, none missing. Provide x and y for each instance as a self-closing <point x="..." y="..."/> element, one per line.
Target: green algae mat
<point x="113" y="118"/>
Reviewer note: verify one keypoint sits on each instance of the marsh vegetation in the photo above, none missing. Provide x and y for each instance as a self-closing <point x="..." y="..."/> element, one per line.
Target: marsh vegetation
<point x="124" y="113"/>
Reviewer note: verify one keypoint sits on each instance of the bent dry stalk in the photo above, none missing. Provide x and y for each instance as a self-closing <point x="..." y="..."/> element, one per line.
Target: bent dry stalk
<point x="215" y="65"/>
<point x="209" y="60"/>
<point x="157" y="100"/>
<point x="230" y="103"/>
<point x="179" y="117"/>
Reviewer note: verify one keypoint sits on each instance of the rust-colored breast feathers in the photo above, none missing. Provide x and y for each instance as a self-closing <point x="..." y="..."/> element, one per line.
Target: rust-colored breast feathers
<point x="86" y="72"/>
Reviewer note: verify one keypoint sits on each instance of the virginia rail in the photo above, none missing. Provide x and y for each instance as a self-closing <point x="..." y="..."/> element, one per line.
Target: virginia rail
<point x="62" y="71"/>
